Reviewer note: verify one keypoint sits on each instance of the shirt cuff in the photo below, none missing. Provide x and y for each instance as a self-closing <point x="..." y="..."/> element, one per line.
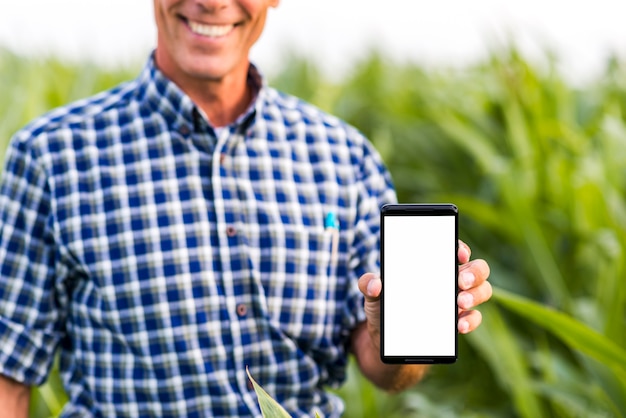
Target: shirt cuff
<point x="25" y="354"/>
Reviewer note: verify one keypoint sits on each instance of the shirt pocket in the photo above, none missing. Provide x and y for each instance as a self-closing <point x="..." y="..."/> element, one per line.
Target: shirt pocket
<point x="302" y="290"/>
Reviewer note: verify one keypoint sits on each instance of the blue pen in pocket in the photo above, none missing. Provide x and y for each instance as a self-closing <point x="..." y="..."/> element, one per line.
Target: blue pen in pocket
<point x="332" y="224"/>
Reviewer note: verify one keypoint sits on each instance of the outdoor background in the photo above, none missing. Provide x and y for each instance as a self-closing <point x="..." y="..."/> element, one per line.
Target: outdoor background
<point x="516" y="113"/>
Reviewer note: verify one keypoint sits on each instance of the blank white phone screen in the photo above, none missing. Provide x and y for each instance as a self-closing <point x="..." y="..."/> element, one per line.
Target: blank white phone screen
<point x="419" y="285"/>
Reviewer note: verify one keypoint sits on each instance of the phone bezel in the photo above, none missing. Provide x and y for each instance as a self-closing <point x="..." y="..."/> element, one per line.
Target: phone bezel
<point x="419" y="209"/>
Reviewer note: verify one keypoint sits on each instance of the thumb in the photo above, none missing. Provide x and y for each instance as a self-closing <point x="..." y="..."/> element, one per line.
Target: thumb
<point x="370" y="285"/>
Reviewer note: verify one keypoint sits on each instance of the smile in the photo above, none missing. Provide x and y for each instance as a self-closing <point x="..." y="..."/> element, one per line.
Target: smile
<point x="211" y="31"/>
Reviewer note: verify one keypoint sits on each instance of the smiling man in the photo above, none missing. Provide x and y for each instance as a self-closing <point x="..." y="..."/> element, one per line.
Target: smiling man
<point x="167" y="234"/>
<point x="204" y="47"/>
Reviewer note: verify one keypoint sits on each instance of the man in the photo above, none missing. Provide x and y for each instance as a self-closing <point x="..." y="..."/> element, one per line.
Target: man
<point x="169" y="233"/>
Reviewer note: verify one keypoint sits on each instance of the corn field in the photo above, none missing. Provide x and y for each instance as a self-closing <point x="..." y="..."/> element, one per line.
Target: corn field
<point x="537" y="168"/>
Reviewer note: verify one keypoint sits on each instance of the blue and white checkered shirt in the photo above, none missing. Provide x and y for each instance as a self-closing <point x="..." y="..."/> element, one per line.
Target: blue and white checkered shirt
<point x="161" y="259"/>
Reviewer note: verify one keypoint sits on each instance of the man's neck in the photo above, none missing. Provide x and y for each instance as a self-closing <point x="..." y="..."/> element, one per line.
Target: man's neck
<point x="222" y="101"/>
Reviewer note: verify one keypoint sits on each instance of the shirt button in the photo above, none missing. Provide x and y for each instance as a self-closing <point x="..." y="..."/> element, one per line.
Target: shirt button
<point x="231" y="231"/>
<point x="184" y="130"/>
<point x="242" y="310"/>
<point x="222" y="158"/>
<point x="250" y="385"/>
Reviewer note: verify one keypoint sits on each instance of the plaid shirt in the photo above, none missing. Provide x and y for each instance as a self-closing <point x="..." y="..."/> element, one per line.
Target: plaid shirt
<point x="162" y="259"/>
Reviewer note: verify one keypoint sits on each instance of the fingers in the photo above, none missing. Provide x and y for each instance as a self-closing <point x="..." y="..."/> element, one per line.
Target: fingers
<point x="473" y="297"/>
<point x="370" y="285"/>
<point x="475" y="289"/>
<point x="473" y="273"/>
<point x="469" y="321"/>
<point x="464" y="252"/>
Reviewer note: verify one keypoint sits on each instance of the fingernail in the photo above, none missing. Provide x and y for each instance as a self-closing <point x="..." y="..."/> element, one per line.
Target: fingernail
<point x="465" y="253"/>
<point x="465" y="300"/>
<point x="371" y="288"/>
<point x="463" y="326"/>
<point x="467" y="279"/>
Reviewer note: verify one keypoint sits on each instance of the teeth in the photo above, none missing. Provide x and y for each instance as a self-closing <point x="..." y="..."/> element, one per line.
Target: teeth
<point x="211" y="31"/>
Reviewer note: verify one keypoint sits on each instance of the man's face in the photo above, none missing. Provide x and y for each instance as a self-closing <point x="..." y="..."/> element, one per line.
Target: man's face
<point x="207" y="40"/>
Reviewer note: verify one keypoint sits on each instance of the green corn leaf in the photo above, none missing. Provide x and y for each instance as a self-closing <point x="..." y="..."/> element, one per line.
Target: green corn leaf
<point x="502" y="351"/>
<point x="269" y="407"/>
<point x="52" y="398"/>
<point x="574" y="333"/>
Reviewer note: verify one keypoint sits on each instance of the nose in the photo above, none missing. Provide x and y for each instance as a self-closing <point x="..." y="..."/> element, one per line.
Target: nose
<point x="212" y="5"/>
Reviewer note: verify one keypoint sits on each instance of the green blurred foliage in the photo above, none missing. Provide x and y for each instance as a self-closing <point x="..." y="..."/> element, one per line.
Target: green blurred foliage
<point x="537" y="168"/>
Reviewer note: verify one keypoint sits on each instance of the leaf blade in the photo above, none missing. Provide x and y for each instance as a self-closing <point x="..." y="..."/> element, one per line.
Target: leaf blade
<point x="269" y="407"/>
<point x="574" y="333"/>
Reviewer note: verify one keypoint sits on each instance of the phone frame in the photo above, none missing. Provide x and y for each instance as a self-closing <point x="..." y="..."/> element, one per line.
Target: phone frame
<point x="419" y="209"/>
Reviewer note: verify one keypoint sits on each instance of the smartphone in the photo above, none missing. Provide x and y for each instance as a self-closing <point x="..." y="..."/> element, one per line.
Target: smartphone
<point x="419" y="270"/>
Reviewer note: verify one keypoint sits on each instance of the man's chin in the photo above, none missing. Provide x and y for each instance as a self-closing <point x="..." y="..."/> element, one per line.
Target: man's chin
<point x="209" y="70"/>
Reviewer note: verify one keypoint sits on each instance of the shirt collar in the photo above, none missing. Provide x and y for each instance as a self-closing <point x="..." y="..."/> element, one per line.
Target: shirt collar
<point x="163" y="96"/>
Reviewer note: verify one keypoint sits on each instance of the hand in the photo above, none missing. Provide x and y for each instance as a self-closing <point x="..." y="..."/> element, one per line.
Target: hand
<point x="474" y="289"/>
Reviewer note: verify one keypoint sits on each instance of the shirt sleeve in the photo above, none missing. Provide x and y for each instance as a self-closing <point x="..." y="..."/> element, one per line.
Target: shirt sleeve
<point x="375" y="190"/>
<point x="29" y="307"/>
